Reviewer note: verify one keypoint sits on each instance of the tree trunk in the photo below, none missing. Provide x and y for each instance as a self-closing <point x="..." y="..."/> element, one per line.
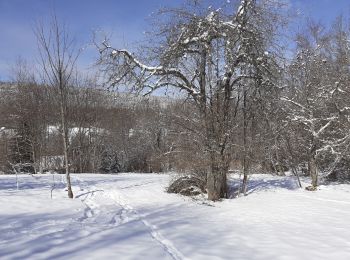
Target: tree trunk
<point x="35" y="161"/>
<point x="292" y="161"/>
<point x="65" y="143"/>
<point x="245" y="176"/>
<point x="66" y="162"/>
<point x="313" y="171"/>
<point x="245" y="126"/>
<point x="217" y="182"/>
<point x="217" y="177"/>
<point x="295" y="172"/>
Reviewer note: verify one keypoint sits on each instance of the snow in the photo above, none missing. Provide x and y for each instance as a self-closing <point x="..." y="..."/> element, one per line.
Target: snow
<point x="52" y="129"/>
<point x="129" y="216"/>
<point x="7" y="132"/>
<point x="74" y="131"/>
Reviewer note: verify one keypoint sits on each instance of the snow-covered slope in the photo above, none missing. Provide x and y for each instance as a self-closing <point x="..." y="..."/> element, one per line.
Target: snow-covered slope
<point x="129" y="216"/>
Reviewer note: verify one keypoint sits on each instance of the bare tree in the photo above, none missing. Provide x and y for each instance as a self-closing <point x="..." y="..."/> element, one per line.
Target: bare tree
<point x="58" y="56"/>
<point x="316" y="100"/>
<point x="208" y="54"/>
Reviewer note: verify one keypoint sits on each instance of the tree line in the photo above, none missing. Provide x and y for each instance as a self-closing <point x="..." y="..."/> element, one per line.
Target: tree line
<point x="247" y="101"/>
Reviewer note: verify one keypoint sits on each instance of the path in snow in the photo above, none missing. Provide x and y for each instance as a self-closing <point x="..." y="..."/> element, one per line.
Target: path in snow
<point x="97" y="206"/>
<point x="92" y="226"/>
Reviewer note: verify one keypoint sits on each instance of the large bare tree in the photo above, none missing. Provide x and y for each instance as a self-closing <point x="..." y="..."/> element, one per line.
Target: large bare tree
<point x="212" y="56"/>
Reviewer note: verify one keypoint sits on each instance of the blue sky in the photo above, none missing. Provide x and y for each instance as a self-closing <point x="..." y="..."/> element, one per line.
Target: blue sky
<point x="125" y="20"/>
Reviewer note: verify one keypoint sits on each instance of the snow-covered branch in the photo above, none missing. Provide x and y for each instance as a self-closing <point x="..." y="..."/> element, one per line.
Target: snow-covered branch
<point x="295" y="103"/>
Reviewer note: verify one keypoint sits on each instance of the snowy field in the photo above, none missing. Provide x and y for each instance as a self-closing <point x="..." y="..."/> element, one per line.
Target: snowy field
<point x="129" y="216"/>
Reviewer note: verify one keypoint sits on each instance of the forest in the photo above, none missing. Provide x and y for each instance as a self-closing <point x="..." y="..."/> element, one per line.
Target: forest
<point x="245" y="98"/>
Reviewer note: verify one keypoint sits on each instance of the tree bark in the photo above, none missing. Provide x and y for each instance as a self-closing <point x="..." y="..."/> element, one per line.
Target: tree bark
<point x="217" y="184"/>
<point x="217" y="179"/>
<point x="313" y="171"/>
<point x="245" y="176"/>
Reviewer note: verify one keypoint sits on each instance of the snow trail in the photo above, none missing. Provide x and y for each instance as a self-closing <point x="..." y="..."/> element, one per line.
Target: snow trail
<point x="153" y="230"/>
<point x="96" y="197"/>
<point x="326" y="200"/>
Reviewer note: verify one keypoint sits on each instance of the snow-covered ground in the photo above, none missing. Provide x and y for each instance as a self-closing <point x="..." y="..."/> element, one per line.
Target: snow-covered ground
<point x="129" y="216"/>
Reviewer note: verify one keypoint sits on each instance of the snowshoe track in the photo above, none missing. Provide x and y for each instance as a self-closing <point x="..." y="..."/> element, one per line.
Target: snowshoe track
<point x="97" y="210"/>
